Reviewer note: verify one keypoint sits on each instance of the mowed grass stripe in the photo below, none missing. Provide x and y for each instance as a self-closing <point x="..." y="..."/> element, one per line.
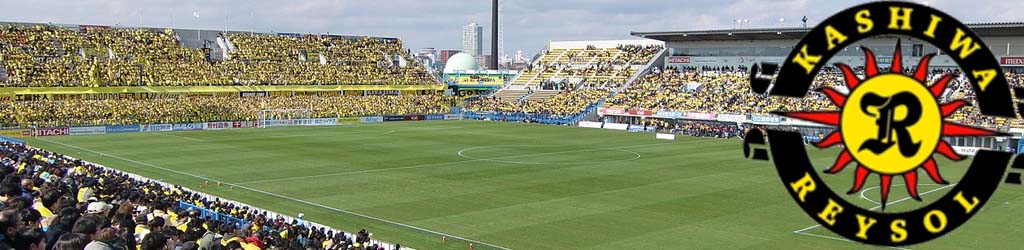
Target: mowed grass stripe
<point x="688" y="194"/>
<point x="231" y="186"/>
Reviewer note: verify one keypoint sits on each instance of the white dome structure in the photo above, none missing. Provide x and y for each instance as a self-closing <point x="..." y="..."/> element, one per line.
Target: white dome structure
<point x="459" y="62"/>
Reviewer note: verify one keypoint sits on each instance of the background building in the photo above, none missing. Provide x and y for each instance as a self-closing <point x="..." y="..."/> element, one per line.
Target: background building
<point x="463" y="73"/>
<point x="472" y="39"/>
<point x="447" y="53"/>
<point x="428" y="57"/>
<point x="484" y="61"/>
<point x="443" y="56"/>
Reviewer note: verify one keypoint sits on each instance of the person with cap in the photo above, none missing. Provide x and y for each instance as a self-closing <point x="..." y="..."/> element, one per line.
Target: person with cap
<point x="98" y="208"/>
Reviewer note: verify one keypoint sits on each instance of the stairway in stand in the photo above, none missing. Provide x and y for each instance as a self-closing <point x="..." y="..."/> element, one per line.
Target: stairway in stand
<point x="510" y="95"/>
<point x="541" y="95"/>
<point x="3" y="72"/>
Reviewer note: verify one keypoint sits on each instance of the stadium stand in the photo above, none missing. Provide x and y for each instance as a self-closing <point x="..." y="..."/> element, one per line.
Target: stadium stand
<point x="181" y="109"/>
<point x="565" y="103"/>
<point x="85" y="206"/>
<point x="719" y="91"/>
<point x="80" y="75"/>
<point x="146" y="75"/>
<point x="726" y="91"/>
<point x="92" y="56"/>
<point x="607" y="66"/>
<point x="570" y="77"/>
<point x="511" y="95"/>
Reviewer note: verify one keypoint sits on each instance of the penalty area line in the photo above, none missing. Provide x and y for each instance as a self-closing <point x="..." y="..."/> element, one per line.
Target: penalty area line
<point x="839" y="239"/>
<point x="282" y="196"/>
<point x="804" y="230"/>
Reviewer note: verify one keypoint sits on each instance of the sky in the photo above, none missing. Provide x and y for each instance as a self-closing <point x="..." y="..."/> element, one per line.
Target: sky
<point x="528" y="24"/>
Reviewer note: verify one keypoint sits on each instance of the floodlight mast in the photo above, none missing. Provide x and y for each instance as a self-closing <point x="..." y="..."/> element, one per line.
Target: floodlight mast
<point x="494" y="35"/>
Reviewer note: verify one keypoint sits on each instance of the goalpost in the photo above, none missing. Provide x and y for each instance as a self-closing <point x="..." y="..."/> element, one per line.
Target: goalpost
<point x="283" y="117"/>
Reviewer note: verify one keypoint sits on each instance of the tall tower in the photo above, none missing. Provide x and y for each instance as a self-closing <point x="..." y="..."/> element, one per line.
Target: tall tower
<point x="501" y="33"/>
<point x="472" y="39"/>
<point x="494" y="35"/>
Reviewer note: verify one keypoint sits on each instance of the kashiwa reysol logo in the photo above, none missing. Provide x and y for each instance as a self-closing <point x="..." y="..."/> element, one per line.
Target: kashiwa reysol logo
<point x="889" y="123"/>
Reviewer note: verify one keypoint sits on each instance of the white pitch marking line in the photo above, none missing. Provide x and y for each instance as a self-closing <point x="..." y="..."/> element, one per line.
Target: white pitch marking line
<point x="862" y="196"/>
<point x="807" y="228"/>
<point x="178" y="136"/>
<point x="841" y="239"/>
<point x="803" y="231"/>
<point x="282" y="196"/>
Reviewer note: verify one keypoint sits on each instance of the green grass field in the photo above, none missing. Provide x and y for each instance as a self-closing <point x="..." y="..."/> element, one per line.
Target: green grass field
<point x="518" y="186"/>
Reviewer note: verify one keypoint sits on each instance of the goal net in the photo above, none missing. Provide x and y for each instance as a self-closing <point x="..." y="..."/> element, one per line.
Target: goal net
<point x="283" y="117"/>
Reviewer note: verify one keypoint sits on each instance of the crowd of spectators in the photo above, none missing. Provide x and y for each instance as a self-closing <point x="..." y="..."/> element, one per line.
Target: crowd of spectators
<point x="727" y="90"/>
<point x="566" y="103"/>
<point x="49" y="202"/>
<point x="584" y="77"/>
<point x="716" y="91"/>
<point x="47" y="55"/>
<point x="608" y="67"/>
<point x="637" y="54"/>
<point x="707" y="129"/>
<point x="699" y="128"/>
<point x="201" y="108"/>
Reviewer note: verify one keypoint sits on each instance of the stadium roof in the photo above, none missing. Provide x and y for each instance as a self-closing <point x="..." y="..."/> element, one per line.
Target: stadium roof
<point x="982" y="29"/>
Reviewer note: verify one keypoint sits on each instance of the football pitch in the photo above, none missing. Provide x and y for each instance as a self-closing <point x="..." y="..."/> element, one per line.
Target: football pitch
<point x="520" y="186"/>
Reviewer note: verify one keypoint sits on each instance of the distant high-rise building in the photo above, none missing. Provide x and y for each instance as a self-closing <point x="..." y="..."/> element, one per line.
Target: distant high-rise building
<point x="472" y="39"/>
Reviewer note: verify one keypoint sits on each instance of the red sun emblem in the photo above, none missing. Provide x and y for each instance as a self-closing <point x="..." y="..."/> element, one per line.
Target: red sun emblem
<point x="891" y="124"/>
